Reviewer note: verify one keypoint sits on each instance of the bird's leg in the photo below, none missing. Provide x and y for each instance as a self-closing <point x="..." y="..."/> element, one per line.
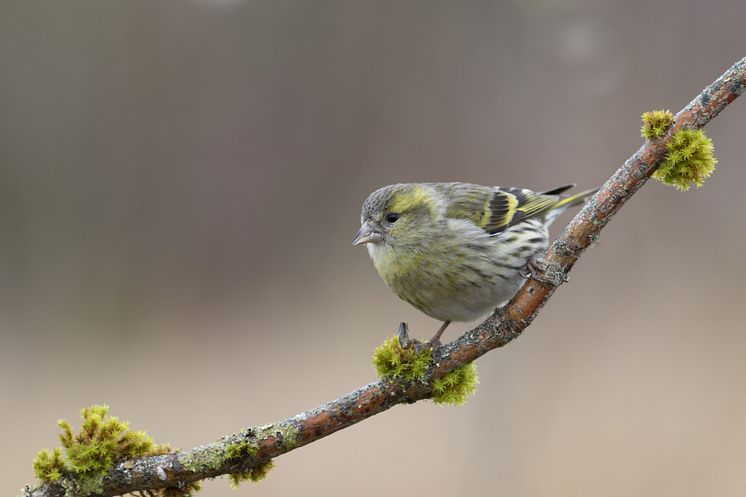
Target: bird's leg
<point x="434" y="342"/>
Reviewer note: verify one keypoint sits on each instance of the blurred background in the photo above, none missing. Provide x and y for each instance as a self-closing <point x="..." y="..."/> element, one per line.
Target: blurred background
<point x="180" y="182"/>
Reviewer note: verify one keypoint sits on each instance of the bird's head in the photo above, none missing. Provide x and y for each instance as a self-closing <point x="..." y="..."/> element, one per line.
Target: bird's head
<point x="395" y="216"/>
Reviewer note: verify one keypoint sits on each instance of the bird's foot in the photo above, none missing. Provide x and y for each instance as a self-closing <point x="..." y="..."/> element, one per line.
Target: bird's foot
<point x="434" y="342"/>
<point x="542" y="270"/>
<point x="532" y="269"/>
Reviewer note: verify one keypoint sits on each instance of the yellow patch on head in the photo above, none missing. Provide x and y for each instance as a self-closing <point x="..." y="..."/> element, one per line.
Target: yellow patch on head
<point x="410" y="199"/>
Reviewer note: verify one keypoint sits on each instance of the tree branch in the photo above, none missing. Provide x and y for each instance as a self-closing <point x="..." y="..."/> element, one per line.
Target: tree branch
<point x="177" y="469"/>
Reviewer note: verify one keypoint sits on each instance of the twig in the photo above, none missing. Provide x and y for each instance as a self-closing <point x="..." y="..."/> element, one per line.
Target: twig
<point x="172" y="470"/>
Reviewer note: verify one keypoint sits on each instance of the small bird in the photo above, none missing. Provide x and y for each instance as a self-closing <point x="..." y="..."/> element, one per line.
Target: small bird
<point x="457" y="250"/>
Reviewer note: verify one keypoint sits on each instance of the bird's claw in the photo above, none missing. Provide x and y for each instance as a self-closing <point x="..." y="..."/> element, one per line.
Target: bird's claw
<point x="433" y="343"/>
<point x="531" y="269"/>
<point x="540" y="269"/>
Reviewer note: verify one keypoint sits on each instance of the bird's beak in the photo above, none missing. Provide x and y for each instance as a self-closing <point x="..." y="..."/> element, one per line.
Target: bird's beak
<point x="367" y="234"/>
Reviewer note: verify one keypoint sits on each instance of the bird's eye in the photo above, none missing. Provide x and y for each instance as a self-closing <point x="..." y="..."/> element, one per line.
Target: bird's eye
<point x="392" y="218"/>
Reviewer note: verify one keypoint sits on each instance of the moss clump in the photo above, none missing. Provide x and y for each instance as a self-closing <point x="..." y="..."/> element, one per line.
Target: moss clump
<point x="454" y="387"/>
<point x="186" y="490"/>
<point x="689" y="160"/>
<point x="393" y="361"/>
<point x="49" y="465"/>
<point x="102" y="440"/>
<point x="241" y="450"/>
<point x="253" y="474"/>
<point x="656" y="123"/>
<point x="89" y="454"/>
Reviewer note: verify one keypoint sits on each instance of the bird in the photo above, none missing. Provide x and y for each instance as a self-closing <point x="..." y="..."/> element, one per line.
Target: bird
<point x="456" y="251"/>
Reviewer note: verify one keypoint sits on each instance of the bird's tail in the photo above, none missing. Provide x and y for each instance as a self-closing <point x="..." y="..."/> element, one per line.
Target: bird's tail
<point x="574" y="199"/>
<point x="566" y="201"/>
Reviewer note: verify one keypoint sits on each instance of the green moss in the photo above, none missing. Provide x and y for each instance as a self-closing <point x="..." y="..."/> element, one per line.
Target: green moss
<point x="216" y="457"/>
<point x="241" y="450"/>
<point x="89" y="454"/>
<point x="49" y="465"/>
<point x="186" y="490"/>
<point x="656" y="123"/>
<point x="392" y="360"/>
<point x="253" y="474"/>
<point x="454" y="387"/>
<point x="102" y="440"/>
<point x="689" y="160"/>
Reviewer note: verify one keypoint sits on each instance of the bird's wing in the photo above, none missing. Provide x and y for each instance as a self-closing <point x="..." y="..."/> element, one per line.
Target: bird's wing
<point x="495" y="209"/>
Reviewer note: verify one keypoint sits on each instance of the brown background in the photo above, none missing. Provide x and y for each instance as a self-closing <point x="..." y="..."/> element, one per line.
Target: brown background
<point x="181" y="181"/>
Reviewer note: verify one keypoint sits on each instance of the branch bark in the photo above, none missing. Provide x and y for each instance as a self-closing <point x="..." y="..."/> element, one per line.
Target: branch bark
<point x="504" y="325"/>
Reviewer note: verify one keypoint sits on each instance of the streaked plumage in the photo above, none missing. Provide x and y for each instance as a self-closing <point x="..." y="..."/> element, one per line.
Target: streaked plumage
<point x="456" y="251"/>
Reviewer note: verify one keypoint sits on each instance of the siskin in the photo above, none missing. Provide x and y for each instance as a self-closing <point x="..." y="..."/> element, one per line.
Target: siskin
<point x="456" y="250"/>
